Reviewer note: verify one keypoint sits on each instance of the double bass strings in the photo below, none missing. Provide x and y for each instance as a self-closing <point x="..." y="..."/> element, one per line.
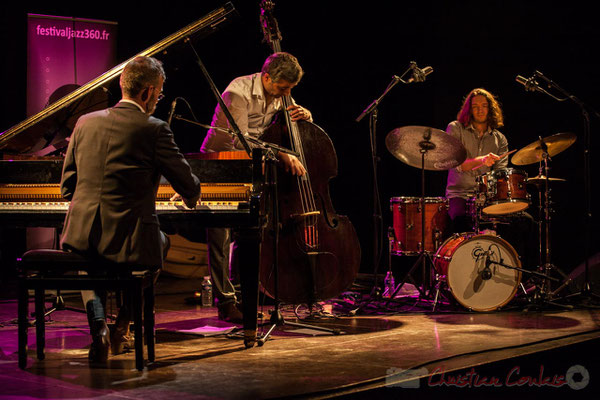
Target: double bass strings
<point x="311" y="237"/>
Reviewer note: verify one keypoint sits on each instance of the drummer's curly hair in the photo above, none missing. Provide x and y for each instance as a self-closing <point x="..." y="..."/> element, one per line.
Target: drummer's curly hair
<point x="495" y="117"/>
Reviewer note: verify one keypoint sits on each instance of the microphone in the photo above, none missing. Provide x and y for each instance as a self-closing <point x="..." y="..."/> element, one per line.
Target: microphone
<point x="486" y="273"/>
<point x="418" y="74"/>
<point x="530" y="84"/>
<point x="173" y="104"/>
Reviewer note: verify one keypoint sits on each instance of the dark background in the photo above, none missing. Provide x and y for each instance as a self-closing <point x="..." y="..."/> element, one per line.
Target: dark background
<point x="350" y="52"/>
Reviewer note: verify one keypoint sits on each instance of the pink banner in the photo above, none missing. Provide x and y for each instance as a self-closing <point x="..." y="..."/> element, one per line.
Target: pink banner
<point x="64" y="53"/>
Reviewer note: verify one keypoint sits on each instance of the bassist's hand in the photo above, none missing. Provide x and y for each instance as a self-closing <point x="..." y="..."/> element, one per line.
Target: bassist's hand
<point x="298" y="112"/>
<point x="292" y="164"/>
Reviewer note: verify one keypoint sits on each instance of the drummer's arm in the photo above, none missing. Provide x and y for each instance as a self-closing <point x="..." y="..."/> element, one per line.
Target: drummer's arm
<point x="479" y="161"/>
<point x="491" y="160"/>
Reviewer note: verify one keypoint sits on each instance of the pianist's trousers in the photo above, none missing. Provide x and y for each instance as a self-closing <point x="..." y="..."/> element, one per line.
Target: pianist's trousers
<point x="219" y="240"/>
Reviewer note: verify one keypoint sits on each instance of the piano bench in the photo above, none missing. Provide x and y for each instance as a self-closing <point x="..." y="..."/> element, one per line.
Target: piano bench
<point x="47" y="269"/>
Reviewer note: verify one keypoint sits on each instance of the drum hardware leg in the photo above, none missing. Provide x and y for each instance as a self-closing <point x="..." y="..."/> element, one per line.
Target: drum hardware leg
<point x="523" y="289"/>
<point x="423" y="290"/>
<point x="438" y="291"/>
<point x="541" y="294"/>
<point x="408" y="276"/>
<point x="376" y="291"/>
<point x="389" y="285"/>
<point x="563" y="285"/>
<point x="548" y="267"/>
<point x="424" y="258"/>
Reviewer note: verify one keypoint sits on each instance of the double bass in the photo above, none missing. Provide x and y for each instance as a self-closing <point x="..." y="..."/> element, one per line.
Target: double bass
<point x="317" y="253"/>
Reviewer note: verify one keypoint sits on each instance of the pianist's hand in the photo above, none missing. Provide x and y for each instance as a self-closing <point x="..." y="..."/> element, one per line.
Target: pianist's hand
<point x="191" y="202"/>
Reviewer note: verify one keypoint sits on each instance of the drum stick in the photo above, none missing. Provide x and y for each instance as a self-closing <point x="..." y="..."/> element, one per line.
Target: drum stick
<point x="507" y="153"/>
<point x="501" y="157"/>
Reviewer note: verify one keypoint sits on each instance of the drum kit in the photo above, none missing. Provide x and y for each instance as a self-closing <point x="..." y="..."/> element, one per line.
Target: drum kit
<point x="479" y="269"/>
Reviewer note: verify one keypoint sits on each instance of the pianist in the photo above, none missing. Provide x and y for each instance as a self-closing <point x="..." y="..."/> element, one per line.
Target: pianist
<point x="111" y="174"/>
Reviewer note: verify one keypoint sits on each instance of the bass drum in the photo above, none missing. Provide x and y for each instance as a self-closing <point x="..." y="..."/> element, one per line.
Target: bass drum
<point x="477" y="270"/>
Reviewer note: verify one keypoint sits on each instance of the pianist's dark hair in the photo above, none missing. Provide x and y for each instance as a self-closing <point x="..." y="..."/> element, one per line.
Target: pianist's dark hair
<point x="495" y="118"/>
<point x="283" y="65"/>
<point x="139" y="73"/>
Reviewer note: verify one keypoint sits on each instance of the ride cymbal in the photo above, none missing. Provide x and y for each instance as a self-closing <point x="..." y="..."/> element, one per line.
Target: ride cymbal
<point x="420" y="146"/>
<point x="533" y="152"/>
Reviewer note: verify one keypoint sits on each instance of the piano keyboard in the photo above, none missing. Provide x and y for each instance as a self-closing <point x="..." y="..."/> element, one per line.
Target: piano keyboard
<point x="47" y="198"/>
<point x="63" y="206"/>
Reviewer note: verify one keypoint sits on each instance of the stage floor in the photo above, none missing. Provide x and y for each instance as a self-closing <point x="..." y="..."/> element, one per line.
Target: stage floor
<point x="379" y="352"/>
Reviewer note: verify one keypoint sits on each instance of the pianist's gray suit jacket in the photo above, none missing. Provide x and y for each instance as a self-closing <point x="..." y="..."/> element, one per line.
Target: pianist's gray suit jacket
<point x="111" y="174"/>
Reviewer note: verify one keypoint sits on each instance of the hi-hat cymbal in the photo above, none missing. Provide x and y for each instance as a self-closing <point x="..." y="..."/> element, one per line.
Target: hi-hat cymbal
<point x="540" y="179"/>
<point x="533" y="152"/>
<point x="441" y="151"/>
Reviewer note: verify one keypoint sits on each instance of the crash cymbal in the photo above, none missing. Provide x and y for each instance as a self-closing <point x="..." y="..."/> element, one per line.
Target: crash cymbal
<point x="540" y="179"/>
<point x="533" y="152"/>
<point x="441" y="150"/>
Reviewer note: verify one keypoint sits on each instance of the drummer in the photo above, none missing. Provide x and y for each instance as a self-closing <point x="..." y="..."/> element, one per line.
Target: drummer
<point x="476" y="128"/>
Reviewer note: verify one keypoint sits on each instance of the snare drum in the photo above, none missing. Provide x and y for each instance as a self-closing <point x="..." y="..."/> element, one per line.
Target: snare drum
<point x="406" y="213"/>
<point x="504" y="191"/>
<point x="477" y="270"/>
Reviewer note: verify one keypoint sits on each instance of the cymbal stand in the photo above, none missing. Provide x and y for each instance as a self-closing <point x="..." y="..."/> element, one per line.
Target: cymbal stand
<point x="545" y="291"/>
<point x="541" y="216"/>
<point x="586" y="292"/>
<point x="424" y="258"/>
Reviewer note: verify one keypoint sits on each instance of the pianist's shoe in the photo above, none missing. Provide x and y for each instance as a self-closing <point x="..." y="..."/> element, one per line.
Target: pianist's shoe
<point x="121" y="340"/>
<point x="98" y="353"/>
<point x="229" y="312"/>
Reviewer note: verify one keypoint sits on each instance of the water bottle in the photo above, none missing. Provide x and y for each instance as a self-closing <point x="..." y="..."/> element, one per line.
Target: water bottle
<point x="389" y="285"/>
<point x="207" y="297"/>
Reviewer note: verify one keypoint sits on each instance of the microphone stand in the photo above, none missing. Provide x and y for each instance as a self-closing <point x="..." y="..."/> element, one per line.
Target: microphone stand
<point x="251" y="139"/>
<point x="586" y="292"/>
<point x="371" y="110"/>
<point x="537" y="297"/>
<point x="277" y="318"/>
<point x="246" y="237"/>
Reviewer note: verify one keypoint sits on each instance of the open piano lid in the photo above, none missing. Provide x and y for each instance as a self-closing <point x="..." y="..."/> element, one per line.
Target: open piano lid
<point x="23" y="136"/>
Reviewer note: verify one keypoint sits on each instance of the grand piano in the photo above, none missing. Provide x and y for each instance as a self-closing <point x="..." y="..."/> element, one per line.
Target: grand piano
<point x="232" y="187"/>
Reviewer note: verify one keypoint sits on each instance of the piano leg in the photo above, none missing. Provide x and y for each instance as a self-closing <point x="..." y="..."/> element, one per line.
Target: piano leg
<point x="248" y="242"/>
